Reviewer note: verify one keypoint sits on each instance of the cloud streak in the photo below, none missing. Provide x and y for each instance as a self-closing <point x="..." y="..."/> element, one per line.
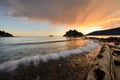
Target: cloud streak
<point x="83" y="12"/>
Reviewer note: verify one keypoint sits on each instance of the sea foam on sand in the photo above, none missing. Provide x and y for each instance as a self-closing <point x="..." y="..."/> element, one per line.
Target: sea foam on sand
<point x="13" y="64"/>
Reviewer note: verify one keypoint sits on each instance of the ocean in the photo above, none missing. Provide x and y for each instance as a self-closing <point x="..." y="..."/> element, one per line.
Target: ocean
<point x="24" y="50"/>
<point x="35" y="58"/>
<point x="13" y="48"/>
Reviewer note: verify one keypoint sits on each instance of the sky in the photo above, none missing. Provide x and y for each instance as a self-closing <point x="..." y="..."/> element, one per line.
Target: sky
<point x="55" y="17"/>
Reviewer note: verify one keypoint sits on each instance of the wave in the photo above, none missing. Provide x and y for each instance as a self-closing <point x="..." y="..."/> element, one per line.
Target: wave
<point x="13" y="64"/>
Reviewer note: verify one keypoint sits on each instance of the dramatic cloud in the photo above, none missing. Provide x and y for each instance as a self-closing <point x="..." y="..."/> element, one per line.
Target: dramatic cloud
<point x="110" y="23"/>
<point x="82" y="12"/>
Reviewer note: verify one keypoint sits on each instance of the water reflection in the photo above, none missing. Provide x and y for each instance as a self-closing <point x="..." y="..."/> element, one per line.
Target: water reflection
<point x="16" y="48"/>
<point x="76" y="42"/>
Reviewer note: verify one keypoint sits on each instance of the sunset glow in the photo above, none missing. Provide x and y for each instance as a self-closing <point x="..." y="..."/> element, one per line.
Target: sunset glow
<point x="46" y="17"/>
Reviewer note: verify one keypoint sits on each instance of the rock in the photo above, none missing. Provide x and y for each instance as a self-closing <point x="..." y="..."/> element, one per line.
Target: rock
<point x="5" y="34"/>
<point x="73" y="33"/>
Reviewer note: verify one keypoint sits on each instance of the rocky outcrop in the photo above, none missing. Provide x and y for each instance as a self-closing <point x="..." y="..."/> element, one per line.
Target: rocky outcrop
<point x="73" y="33"/>
<point x="5" y="34"/>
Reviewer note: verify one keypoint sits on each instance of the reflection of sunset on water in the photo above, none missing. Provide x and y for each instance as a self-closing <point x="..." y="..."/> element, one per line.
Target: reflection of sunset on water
<point x="76" y="42"/>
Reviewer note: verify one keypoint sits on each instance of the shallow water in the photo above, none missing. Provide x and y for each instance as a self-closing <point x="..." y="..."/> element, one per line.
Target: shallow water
<point x="13" y="48"/>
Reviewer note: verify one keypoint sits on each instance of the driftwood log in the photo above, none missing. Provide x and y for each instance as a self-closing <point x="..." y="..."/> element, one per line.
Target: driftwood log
<point x="106" y="65"/>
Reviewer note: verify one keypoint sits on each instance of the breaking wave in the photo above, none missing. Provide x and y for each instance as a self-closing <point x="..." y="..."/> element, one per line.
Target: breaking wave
<point x="13" y="64"/>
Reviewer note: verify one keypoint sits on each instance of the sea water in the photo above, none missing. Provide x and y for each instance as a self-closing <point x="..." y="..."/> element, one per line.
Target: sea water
<point x="12" y="48"/>
<point x="17" y="50"/>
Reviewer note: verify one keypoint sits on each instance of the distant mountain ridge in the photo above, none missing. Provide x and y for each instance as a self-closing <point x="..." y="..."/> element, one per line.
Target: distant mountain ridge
<point x="5" y="34"/>
<point x="113" y="31"/>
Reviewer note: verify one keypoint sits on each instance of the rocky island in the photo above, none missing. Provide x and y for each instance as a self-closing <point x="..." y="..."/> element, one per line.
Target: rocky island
<point x="73" y="33"/>
<point x="5" y="34"/>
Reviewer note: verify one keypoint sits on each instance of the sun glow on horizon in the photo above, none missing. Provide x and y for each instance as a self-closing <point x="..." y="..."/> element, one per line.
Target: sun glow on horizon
<point x="90" y="27"/>
<point x="23" y="18"/>
<point x="85" y="30"/>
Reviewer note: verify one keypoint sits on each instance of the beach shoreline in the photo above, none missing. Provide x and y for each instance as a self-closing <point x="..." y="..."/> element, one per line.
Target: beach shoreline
<point x="74" y="67"/>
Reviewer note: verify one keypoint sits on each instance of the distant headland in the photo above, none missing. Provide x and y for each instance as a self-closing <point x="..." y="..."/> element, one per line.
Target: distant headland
<point x="5" y="34"/>
<point x="113" y="31"/>
<point x="73" y="33"/>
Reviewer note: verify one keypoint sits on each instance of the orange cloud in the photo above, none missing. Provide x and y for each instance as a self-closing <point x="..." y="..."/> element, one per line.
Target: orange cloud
<point x="83" y="13"/>
<point x="105" y="23"/>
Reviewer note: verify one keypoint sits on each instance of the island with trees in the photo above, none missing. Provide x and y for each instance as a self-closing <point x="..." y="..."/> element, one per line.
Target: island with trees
<point x="73" y="33"/>
<point x="5" y="34"/>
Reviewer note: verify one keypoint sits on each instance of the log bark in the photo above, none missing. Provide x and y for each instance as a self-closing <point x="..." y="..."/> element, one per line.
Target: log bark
<point x="106" y="65"/>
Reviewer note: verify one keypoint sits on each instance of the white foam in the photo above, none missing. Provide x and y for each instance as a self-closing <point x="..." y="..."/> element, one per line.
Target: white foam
<point x="13" y="64"/>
